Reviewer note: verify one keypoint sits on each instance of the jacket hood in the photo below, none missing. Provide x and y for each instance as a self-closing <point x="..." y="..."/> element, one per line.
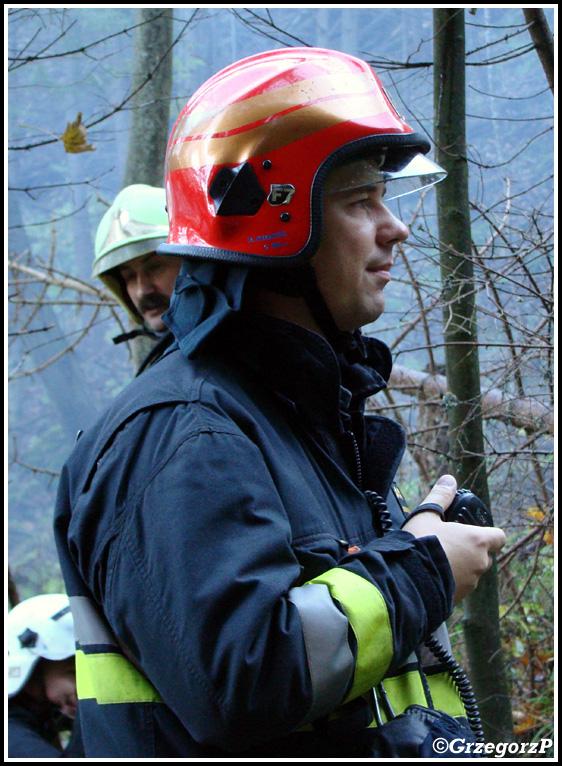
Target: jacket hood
<point x="206" y="297"/>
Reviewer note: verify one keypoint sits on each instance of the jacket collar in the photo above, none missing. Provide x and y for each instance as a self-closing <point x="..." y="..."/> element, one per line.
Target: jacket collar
<point x="323" y="386"/>
<point x="302" y="368"/>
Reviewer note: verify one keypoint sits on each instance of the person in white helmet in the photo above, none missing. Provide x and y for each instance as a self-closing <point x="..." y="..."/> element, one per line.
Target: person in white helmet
<point x="128" y="265"/>
<point x="42" y="699"/>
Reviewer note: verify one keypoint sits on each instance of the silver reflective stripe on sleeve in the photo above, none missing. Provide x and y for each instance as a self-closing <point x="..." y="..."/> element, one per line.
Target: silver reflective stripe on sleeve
<point x="89" y="626"/>
<point x="330" y="659"/>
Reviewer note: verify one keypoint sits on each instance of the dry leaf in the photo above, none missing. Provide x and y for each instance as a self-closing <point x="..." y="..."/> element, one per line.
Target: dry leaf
<point x="534" y="512"/>
<point x="523" y="721"/>
<point x="74" y="137"/>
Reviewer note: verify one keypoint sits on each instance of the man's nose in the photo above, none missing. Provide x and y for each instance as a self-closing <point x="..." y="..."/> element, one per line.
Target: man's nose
<point x="392" y="230"/>
<point x="144" y="284"/>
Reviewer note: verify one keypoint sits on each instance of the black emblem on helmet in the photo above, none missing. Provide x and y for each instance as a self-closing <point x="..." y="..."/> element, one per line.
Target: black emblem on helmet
<point x="280" y="194"/>
<point x="28" y="639"/>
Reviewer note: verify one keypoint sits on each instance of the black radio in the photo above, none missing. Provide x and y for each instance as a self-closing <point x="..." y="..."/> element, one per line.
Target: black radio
<point x="466" y="508"/>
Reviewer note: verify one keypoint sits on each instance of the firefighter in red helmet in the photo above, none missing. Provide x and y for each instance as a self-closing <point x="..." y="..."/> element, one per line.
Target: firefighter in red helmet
<point x="240" y="563"/>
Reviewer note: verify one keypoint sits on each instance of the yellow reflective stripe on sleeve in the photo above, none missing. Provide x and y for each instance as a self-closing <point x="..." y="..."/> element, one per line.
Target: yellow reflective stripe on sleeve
<point x="406" y="689"/>
<point x="110" y="678"/>
<point x="444" y="694"/>
<point x="366" y="611"/>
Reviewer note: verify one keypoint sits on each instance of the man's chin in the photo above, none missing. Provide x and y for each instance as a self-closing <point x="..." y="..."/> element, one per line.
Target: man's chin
<point x="155" y="322"/>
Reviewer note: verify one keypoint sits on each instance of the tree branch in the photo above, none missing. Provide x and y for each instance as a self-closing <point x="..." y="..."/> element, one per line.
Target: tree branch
<point x="522" y="413"/>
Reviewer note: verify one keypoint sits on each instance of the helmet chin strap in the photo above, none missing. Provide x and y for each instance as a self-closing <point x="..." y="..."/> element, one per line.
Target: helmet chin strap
<point x="302" y="282"/>
<point x="349" y="344"/>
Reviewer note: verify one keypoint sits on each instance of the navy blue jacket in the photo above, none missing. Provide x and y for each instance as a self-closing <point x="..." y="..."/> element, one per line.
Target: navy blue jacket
<point x="230" y="588"/>
<point x="30" y="737"/>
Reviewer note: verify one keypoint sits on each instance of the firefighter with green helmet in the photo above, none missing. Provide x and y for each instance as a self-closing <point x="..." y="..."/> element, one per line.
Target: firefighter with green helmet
<point x="128" y="265"/>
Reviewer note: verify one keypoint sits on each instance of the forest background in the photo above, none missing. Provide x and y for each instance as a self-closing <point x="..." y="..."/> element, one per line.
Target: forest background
<point x="75" y="65"/>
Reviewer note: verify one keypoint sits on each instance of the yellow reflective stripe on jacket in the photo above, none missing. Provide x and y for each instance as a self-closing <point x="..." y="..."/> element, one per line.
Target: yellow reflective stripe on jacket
<point x="110" y="678"/>
<point x="407" y="689"/>
<point x="366" y="611"/>
<point x="403" y="690"/>
<point x="444" y="694"/>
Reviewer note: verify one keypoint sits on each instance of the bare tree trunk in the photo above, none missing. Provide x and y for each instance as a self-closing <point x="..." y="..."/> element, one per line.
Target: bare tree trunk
<point x="543" y="41"/>
<point x="466" y="442"/>
<point x="349" y="19"/>
<point x="150" y="117"/>
<point x="322" y="26"/>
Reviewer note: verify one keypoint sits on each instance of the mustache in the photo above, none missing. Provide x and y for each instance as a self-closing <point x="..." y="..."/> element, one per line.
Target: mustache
<point x="155" y="301"/>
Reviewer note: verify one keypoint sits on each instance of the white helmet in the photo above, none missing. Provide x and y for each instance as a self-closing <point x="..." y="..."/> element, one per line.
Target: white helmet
<point x="39" y="627"/>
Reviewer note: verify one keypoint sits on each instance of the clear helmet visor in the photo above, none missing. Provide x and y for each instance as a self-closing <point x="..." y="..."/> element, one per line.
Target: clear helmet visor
<point x="402" y="175"/>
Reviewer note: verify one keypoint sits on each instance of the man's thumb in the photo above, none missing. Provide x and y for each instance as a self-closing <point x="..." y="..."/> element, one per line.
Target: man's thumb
<point x="443" y="492"/>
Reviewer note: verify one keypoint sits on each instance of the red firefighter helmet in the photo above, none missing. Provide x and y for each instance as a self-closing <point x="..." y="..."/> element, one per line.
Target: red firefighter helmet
<point x="248" y="156"/>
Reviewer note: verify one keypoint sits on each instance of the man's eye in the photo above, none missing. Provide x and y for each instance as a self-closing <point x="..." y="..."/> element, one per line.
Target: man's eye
<point x="363" y="202"/>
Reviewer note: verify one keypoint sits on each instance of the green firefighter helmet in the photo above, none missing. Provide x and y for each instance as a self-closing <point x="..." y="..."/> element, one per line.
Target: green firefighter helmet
<point x="135" y="225"/>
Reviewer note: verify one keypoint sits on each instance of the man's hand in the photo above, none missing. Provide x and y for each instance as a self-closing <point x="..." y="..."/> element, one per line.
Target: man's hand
<point x="468" y="548"/>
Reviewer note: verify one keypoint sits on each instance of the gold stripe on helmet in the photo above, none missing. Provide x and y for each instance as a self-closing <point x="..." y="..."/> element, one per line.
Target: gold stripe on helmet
<point x="265" y="105"/>
<point x="280" y="131"/>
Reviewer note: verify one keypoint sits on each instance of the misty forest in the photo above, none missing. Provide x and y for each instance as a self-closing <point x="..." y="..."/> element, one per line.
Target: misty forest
<point x="80" y="82"/>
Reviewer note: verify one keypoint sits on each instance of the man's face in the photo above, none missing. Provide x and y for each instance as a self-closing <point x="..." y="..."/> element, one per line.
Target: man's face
<point x="149" y="281"/>
<point x="355" y="256"/>
<point x="59" y="679"/>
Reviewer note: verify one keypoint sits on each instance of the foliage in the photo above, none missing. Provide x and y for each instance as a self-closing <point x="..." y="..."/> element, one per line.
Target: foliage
<point x="528" y="628"/>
